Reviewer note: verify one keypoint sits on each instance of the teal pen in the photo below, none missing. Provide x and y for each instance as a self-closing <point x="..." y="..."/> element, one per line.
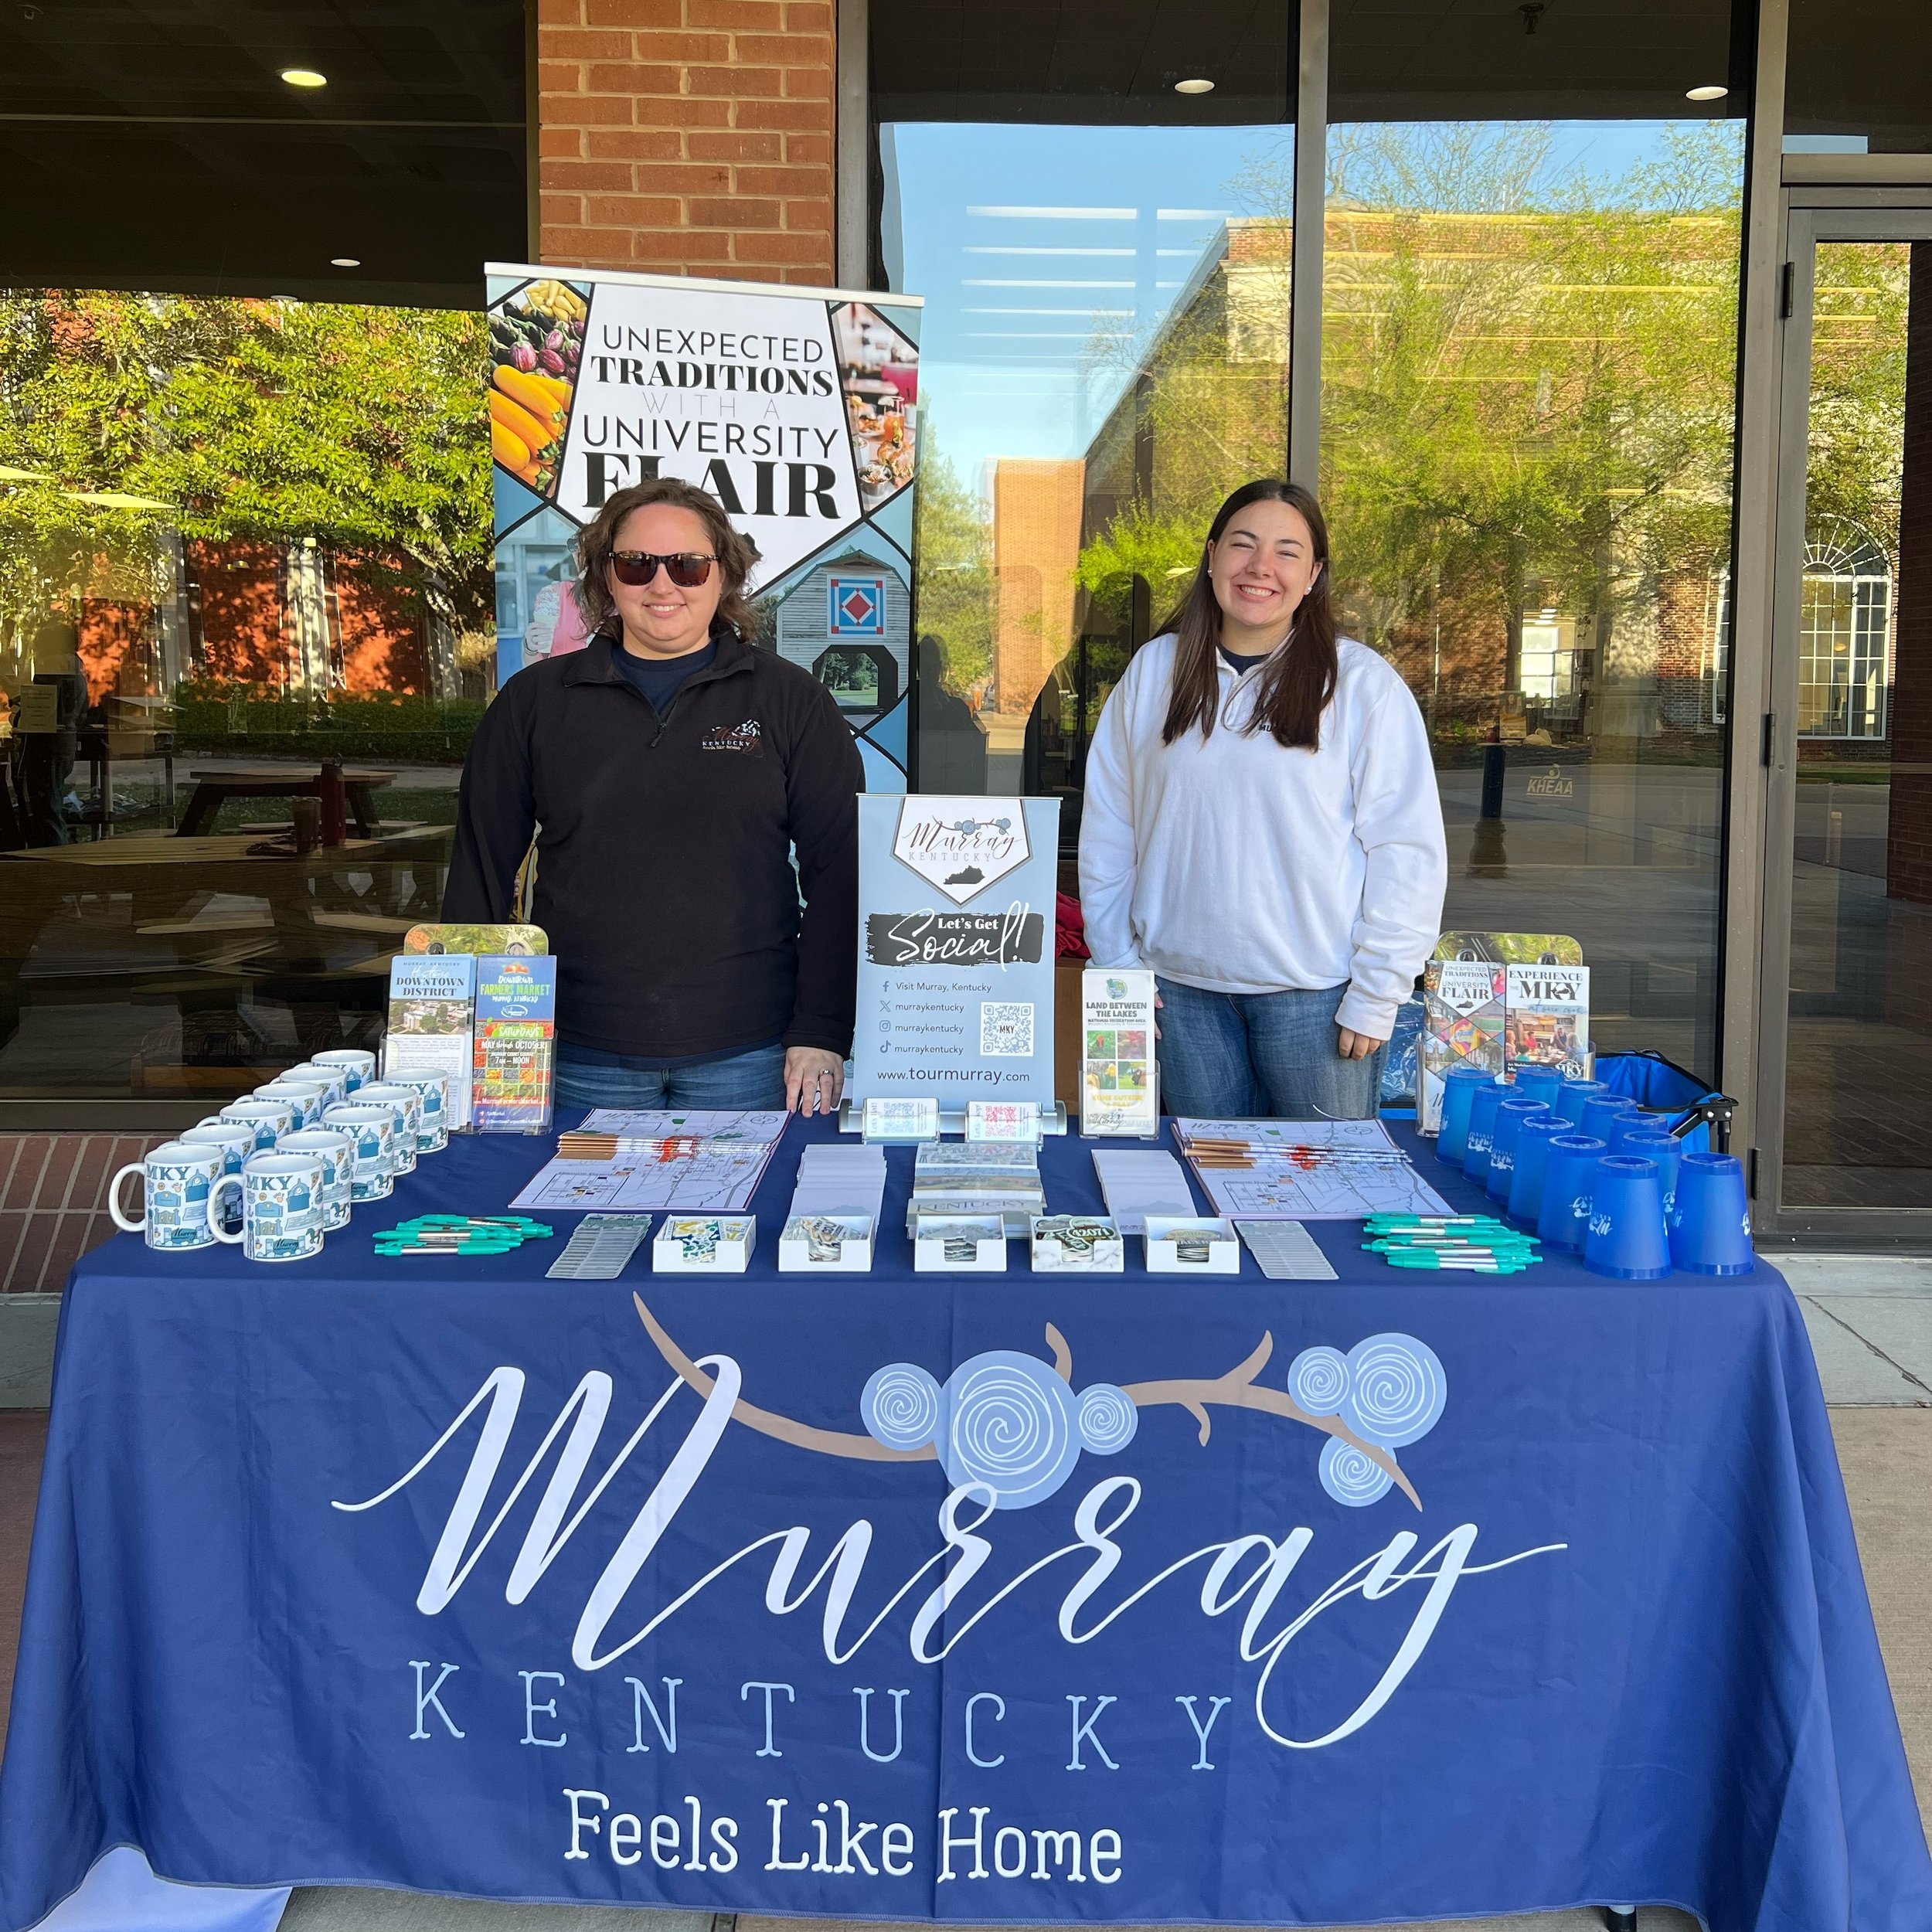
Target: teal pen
<point x="1432" y="1221"/>
<point x="1452" y="1241"/>
<point x="1492" y="1263"/>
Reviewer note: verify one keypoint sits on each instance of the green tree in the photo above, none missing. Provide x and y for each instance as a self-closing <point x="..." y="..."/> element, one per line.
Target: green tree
<point x="364" y="429"/>
<point x="955" y="572"/>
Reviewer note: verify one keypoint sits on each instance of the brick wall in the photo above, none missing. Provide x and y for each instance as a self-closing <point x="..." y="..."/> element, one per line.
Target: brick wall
<point x="687" y="137"/>
<point x="53" y="1201"/>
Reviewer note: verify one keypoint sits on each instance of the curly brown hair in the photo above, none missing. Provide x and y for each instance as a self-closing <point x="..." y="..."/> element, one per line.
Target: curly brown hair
<point x="597" y="540"/>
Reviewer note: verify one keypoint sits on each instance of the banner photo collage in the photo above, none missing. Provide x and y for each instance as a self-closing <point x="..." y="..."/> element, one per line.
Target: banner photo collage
<point x="797" y="408"/>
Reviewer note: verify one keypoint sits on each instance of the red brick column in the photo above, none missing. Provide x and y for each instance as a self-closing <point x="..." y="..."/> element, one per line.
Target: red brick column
<point x="687" y="137"/>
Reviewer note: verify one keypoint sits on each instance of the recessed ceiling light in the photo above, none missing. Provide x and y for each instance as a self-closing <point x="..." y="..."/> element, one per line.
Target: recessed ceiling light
<point x="1706" y="93"/>
<point x="345" y="261"/>
<point x="304" y="77"/>
<point x="1195" y="86"/>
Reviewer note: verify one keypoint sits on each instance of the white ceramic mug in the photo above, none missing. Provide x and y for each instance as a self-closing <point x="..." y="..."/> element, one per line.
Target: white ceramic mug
<point x="374" y="1128"/>
<point x="434" y="1133"/>
<point x="236" y="1141"/>
<point x="336" y="1077"/>
<point x="408" y="1103"/>
<point x="281" y="1196"/>
<point x="308" y="1097"/>
<point x="335" y="1149"/>
<point x="270" y="1119"/>
<point x="358" y="1064"/>
<point x="180" y="1179"/>
<point x="235" y="1138"/>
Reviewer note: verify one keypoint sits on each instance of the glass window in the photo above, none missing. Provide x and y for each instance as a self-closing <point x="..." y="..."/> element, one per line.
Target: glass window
<point x="1858" y="1045"/>
<point x="1529" y="329"/>
<point x="1104" y="348"/>
<point x="244" y="579"/>
<point x="1859" y="77"/>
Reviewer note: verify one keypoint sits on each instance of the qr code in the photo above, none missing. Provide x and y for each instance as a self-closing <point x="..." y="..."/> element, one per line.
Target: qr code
<point x="1006" y="1029"/>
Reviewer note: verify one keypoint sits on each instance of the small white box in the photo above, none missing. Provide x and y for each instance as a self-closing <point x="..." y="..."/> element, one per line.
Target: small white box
<point x="704" y="1244"/>
<point x="1077" y="1244"/>
<point x="1214" y="1248"/>
<point x="941" y="1242"/>
<point x="825" y="1244"/>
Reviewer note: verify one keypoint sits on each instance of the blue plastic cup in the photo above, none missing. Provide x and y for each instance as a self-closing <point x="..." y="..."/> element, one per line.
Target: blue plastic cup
<point x="1601" y="1109"/>
<point x="1482" y="1125"/>
<point x="1459" y="1087"/>
<point x="1711" y="1234"/>
<point x="1627" y="1239"/>
<point x="1660" y="1145"/>
<point x="1533" y="1160"/>
<point x="1510" y="1115"/>
<point x="1570" y="1099"/>
<point x="1542" y="1084"/>
<point x="1636" y="1119"/>
<point x="1563" y="1217"/>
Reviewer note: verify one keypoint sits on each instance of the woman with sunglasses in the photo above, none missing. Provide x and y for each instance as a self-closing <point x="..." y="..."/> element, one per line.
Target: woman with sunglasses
<point x="1261" y="827"/>
<point x="669" y="771"/>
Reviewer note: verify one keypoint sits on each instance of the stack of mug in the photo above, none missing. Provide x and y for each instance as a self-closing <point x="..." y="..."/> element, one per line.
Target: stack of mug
<point x="1596" y="1174"/>
<point x="275" y="1172"/>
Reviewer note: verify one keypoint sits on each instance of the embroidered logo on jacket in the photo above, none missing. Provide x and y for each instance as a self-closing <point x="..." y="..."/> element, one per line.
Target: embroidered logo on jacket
<point x="738" y="737"/>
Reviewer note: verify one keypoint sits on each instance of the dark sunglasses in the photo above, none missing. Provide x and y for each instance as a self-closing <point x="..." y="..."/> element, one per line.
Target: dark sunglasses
<point x="688" y="568"/>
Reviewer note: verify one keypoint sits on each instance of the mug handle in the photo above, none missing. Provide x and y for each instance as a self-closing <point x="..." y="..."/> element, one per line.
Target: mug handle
<point x="214" y="1212"/>
<point x="113" y="1199"/>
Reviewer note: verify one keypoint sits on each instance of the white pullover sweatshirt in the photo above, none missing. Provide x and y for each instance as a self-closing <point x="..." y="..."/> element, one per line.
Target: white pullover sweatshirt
<point x="1232" y="864"/>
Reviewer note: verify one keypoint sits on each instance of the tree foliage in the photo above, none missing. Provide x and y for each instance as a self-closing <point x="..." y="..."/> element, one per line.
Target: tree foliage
<point x="272" y="421"/>
<point x="1528" y="376"/>
<point x="955" y="573"/>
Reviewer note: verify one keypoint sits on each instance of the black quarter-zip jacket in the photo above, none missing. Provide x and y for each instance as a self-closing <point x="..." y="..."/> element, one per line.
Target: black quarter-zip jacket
<point x="664" y="874"/>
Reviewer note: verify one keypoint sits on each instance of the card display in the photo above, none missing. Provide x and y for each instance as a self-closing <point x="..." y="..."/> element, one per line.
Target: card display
<point x="1462" y="1007"/>
<point x="1546" y="1018"/>
<point x="1119" y="1094"/>
<point x="432" y="1018"/>
<point x="516" y="1043"/>
<point x="956" y="940"/>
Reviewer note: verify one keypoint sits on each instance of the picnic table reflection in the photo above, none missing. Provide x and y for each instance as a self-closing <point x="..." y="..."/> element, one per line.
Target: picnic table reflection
<point x="160" y="917"/>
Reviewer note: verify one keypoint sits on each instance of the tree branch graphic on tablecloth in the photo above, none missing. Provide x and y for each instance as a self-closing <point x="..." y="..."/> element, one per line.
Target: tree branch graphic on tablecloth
<point x="1013" y="1425"/>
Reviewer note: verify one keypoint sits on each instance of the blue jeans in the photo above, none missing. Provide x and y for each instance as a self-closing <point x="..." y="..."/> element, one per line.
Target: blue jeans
<point x="753" y="1080"/>
<point x="1244" y="1056"/>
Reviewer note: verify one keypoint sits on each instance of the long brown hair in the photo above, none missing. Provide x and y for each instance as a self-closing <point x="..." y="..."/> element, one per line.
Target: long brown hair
<point x="1296" y="684"/>
<point x="597" y="540"/>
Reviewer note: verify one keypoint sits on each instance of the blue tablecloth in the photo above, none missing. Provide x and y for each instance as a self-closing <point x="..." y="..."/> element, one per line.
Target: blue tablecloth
<point x="585" y="1633"/>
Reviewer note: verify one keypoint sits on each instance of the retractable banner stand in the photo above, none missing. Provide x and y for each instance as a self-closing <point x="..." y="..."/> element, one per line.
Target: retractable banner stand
<point x="796" y="409"/>
<point x="956" y="940"/>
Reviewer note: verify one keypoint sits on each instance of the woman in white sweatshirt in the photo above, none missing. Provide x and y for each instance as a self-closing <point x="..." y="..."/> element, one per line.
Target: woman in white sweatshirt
<point x="1262" y="829"/>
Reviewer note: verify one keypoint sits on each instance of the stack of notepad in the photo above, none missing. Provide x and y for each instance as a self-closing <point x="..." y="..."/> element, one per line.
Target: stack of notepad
<point x="1138" y="1182"/>
<point x="834" y="1179"/>
<point x="977" y="1177"/>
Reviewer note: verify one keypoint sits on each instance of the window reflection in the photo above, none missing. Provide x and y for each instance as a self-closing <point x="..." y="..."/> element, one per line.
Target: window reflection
<point x="244" y="589"/>
<point x="1104" y="356"/>
<point x="1528" y="369"/>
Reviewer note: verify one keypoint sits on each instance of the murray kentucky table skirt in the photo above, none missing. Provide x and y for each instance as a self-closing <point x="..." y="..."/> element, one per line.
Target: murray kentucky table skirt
<point x="984" y="1598"/>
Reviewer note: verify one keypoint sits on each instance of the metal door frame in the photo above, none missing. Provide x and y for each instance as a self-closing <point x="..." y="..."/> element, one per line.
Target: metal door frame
<point x="1813" y="214"/>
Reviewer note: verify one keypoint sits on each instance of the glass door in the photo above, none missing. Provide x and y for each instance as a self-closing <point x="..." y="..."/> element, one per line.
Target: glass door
<point x="1848" y="1001"/>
